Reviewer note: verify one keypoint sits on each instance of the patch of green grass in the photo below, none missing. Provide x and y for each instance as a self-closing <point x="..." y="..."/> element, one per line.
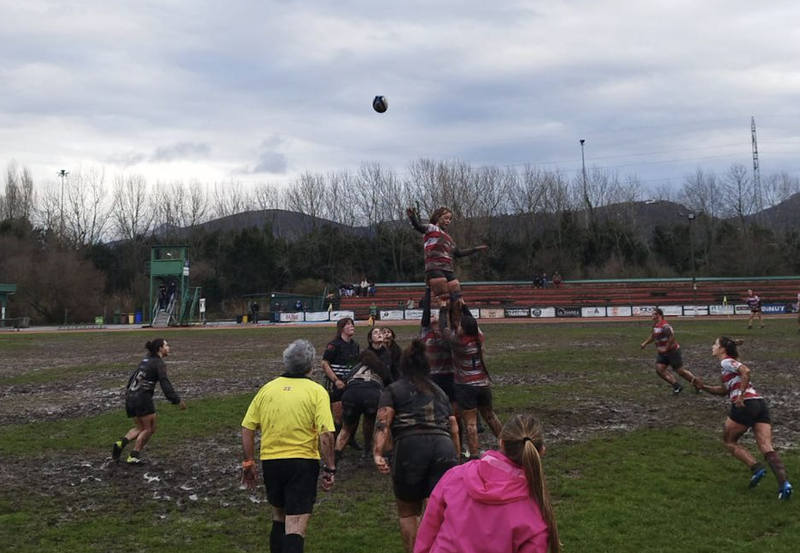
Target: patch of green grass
<point x="204" y="417"/>
<point x="43" y="376"/>
<point x="666" y="490"/>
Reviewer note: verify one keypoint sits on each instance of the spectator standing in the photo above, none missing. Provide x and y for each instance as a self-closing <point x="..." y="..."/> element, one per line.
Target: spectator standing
<point x="557" y="280"/>
<point x="373" y="314"/>
<point x="294" y="417"/>
<point x="410" y="303"/>
<point x="254" y="309"/>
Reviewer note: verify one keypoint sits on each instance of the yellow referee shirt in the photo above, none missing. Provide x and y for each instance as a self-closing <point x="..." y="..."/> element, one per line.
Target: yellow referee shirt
<point x="291" y="413"/>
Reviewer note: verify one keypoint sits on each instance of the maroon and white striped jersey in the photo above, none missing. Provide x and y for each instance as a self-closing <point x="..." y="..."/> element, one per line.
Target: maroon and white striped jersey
<point x="439" y="249"/>
<point x="467" y="359"/>
<point x="662" y="332"/>
<point x="753" y="302"/>
<point x="733" y="381"/>
<point x="438" y="350"/>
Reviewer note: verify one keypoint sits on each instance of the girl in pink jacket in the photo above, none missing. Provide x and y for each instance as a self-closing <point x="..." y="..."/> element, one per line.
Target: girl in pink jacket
<point x="499" y="503"/>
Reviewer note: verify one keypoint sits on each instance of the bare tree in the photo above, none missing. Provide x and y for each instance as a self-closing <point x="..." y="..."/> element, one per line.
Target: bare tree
<point x="229" y="199"/>
<point x="738" y="194"/>
<point x="341" y="198"/>
<point x="18" y="200"/>
<point x="779" y="187"/>
<point x="267" y="196"/>
<point x="86" y="209"/>
<point x="702" y="193"/>
<point x="197" y="208"/>
<point x="132" y="214"/>
<point x="307" y="195"/>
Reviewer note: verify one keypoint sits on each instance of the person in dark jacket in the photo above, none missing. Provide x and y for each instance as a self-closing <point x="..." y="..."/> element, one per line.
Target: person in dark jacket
<point x="139" y="400"/>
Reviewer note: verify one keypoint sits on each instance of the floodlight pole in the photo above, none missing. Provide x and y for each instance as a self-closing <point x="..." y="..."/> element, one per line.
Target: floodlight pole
<point x="585" y="187"/>
<point x="691" y="217"/>
<point x="63" y="174"/>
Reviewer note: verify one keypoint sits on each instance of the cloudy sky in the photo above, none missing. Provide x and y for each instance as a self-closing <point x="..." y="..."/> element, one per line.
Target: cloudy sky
<point x="261" y="90"/>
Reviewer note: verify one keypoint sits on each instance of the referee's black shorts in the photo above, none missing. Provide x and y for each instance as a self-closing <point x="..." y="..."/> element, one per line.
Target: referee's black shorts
<point x="291" y="484"/>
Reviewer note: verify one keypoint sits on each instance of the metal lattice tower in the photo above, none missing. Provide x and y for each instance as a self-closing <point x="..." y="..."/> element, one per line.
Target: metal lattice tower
<point x="756" y="170"/>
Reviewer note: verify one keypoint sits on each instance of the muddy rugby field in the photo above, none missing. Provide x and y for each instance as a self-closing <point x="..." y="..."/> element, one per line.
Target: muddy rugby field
<point x="583" y="379"/>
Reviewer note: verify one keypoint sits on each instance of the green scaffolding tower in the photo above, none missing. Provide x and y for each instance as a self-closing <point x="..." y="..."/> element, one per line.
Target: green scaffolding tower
<point x="169" y="266"/>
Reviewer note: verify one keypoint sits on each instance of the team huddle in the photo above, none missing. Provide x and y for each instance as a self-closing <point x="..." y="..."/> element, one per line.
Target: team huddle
<point x="419" y="409"/>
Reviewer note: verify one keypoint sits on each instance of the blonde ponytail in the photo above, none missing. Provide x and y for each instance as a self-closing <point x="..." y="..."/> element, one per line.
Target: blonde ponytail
<point x="522" y="438"/>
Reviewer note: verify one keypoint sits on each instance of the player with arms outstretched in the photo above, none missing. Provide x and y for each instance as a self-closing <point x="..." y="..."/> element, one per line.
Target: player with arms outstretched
<point x="440" y="250"/>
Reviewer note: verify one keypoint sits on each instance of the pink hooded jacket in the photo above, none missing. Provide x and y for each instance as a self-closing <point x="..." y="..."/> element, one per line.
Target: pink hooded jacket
<point x="482" y="507"/>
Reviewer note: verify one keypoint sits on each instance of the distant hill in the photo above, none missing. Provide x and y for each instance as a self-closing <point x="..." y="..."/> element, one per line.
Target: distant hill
<point x="782" y="217"/>
<point x="288" y="225"/>
<point x="645" y="216"/>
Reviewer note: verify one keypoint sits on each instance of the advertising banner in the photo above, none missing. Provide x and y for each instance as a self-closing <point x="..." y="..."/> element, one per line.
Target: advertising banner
<point x="695" y="310"/>
<point x="720" y="310"/>
<point x="317" y="316"/>
<point x="593" y="312"/>
<point x="517" y="312"/>
<point x="643" y="310"/>
<point x="336" y="315"/>
<point x="292" y="317"/>
<point x="492" y="313"/>
<point x="618" y="311"/>
<point x="568" y="312"/>
<point x="393" y="315"/>
<point x="543" y="312"/>
<point x="413" y="314"/>
<point x="741" y="309"/>
<point x="774" y="308"/>
<point x="672" y="310"/>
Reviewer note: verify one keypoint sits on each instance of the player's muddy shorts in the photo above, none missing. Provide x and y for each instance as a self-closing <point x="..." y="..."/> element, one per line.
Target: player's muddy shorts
<point x="419" y="462"/>
<point x="333" y="391"/>
<point x="360" y="400"/>
<point x="139" y="405"/>
<point x="472" y="397"/>
<point x="754" y="411"/>
<point x="446" y="383"/>
<point x="438" y="273"/>
<point x="291" y="484"/>
<point x="672" y="358"/>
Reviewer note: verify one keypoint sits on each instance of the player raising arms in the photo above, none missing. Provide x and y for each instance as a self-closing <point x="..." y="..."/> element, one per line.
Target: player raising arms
<point x="440" y="249"/>
<point x="669" y="352"/>
<point x="748" y="410"/>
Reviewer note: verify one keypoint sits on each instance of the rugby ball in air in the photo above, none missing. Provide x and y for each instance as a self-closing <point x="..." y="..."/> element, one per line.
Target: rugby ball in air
<point x="380" y="104"/>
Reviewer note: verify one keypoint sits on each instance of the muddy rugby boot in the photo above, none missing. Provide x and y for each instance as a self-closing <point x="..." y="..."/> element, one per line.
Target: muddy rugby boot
<point x="134" y="459"/>
<point x="785" y="491"/>
<point x="758" y="474"/>
<point x="116" y="451"/>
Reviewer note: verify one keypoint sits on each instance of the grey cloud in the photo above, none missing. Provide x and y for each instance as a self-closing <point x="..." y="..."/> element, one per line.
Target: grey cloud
<point x="127" y="159"/>
<point x="181" y="151"/>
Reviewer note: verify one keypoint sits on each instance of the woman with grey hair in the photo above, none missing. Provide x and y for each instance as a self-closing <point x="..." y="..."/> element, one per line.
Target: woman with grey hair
<point x="298" y="358"/>
<point x="294" y="416"/>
